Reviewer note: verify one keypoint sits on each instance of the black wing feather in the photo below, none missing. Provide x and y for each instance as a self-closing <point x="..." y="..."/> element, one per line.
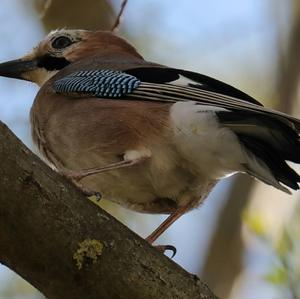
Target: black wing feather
<point x="168" y="75"/>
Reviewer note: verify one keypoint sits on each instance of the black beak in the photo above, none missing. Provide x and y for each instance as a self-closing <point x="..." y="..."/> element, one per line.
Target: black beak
<point x="15" y="68"/>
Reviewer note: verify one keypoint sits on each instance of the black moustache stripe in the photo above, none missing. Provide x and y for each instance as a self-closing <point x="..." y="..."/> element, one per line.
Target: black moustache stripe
<point x="52" y="63"/>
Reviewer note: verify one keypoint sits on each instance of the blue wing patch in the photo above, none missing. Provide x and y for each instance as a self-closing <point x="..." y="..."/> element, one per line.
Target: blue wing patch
<point x="100" y="83"/>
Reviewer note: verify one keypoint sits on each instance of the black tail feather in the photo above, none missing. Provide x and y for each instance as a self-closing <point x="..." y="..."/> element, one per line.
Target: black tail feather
<point x="268" y="138"/>
<point x="274" y="160"/>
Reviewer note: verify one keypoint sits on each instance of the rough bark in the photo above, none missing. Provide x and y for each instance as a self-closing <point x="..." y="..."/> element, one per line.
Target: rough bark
<point x="67" y="247"/>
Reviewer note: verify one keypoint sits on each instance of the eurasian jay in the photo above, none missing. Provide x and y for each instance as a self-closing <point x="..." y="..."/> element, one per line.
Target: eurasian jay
<point x="152" y="138"/>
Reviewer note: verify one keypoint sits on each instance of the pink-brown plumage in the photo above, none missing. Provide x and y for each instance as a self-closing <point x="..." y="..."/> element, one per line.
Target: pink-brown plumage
<point x="159" y="147"/>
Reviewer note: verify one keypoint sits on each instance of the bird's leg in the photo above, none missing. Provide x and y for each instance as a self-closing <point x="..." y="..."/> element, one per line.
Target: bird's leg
<point x="78" y="175"/>
<point x="165" y="225"/>
<point x="130" y="158"/>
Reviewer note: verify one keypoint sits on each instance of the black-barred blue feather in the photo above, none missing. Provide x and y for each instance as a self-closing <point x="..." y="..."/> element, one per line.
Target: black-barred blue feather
<point x="99" y="83"/>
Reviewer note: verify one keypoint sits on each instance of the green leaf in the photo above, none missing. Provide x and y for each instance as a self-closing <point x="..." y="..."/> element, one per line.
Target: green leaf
<point x="278" y="276"/>
<point x="284" y="244"/>
<point x="256" y="224"/>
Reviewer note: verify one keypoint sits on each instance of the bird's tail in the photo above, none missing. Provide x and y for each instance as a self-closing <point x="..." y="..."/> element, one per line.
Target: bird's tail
<point x="270" y="141"/>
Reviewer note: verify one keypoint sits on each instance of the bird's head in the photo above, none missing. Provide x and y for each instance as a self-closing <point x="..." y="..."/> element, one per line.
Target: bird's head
<point x="61" y="48"/>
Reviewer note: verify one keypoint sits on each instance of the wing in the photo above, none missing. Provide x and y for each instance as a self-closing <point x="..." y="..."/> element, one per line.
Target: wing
<point x="98" y="83"/>
<point x="163" y="85"/>
<point x="191" y="79"/>
<point x="269" y="137"/>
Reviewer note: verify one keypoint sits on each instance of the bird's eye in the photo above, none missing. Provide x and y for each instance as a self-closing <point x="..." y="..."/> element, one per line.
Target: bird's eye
<point x="61" y="42"/>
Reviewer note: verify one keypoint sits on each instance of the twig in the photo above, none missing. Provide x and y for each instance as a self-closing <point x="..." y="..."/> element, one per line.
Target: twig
<point x="118" y="19"/>
<point x="45" y="8"/>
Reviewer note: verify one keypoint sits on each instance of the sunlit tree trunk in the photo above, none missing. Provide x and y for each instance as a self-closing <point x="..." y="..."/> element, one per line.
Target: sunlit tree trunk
<point x="225" y="252"/>
<point x="289" y="66"/>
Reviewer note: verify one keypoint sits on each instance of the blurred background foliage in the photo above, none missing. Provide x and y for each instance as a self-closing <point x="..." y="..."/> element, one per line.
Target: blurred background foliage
<point x="244" y="241"/>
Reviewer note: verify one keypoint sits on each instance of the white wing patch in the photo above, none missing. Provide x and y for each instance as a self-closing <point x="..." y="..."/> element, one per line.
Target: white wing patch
<point x="184" y="81"/>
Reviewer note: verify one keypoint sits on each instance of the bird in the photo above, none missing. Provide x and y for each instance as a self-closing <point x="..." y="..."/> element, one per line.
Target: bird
<point x="152" y="138"/>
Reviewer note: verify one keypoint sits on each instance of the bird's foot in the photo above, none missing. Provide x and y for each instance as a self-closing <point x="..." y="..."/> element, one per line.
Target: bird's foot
<point x="86" y="191"/>
<point x="164" y="248"/>
<point x="73" y="177"/>
<point x="166" y="224"/>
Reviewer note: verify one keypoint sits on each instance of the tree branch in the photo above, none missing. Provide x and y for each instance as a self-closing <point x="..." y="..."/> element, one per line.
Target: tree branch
<point x="117" y="23"/>
<point x="44" y="8"/>
<point x="67" y="247"/>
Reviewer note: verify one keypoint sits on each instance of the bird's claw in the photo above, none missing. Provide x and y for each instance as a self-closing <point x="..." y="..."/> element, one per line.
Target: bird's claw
<point x="164" y="248"/>
<point x="90" y="193"/>
<point x="86" y="191"/>
<point x="98" y="196"/>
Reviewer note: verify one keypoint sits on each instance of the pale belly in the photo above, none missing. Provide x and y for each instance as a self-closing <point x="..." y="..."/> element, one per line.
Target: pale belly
<point x="158" y="185"/>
